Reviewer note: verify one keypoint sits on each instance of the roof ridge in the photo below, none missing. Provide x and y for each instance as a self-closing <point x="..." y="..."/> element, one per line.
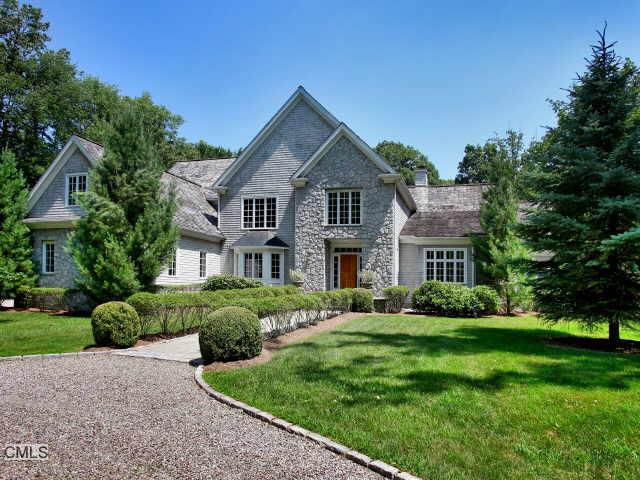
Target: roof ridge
<point x="205" y="159"/>
<point x="88" y="139"/>
<point x="184" y="179"/>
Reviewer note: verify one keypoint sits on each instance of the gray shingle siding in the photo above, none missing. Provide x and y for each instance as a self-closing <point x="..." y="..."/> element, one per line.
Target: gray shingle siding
<point x="52" y="202"/>
<point x="267" y="172"/>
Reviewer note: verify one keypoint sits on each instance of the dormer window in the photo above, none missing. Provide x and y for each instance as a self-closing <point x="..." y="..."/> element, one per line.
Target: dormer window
<point x="76" y="183"/>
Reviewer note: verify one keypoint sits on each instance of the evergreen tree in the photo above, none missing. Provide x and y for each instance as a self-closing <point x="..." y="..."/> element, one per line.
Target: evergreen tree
<point x="587" y="211"/>
<point x="16" y="267"/>
<point x="127" y="234"/>
<point x="499" y="252"/>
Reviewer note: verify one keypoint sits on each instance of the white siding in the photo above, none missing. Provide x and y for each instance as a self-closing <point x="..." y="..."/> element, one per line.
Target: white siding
<point x="52" y="202"/>
<point x="188" y="262"/>
<point x="400" y="215"/>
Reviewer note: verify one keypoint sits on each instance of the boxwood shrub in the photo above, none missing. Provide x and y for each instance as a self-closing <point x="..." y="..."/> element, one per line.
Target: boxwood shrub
<point x="228" y="282"/>
<point x="489" y="299"/>
<point x="230" y="333"/>
<point x="362" y="300"/>
<point x="115" y="323"/>
<point x="448" y="299"/>
<point x="394" y="298"/>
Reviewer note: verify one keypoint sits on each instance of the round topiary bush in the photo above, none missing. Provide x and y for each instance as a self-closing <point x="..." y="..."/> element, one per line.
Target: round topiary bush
<point x="446" y="299"/>
<point x="229" y="282"/>
<point x="489" y="299"/>
<point x="362" y="300"/>
<point x="115" y="323"/>
<point x="230" y="333"/>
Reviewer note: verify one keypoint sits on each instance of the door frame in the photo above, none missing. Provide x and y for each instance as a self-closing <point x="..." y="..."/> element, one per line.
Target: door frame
<point x="336" y="273"/>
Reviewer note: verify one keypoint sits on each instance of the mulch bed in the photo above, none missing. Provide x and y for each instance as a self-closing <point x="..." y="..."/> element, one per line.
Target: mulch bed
<point x="631" y="347"/>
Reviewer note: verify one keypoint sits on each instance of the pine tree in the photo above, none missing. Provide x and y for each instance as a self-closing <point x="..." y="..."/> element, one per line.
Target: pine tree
<point x="16" y="267"/>
<point x="588" y="200"/>
<point x="499" y="252"/>
<point x="127" y="234"/>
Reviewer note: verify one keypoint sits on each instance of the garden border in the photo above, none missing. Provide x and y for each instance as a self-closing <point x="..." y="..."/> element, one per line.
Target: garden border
<point x="377" y="466"/>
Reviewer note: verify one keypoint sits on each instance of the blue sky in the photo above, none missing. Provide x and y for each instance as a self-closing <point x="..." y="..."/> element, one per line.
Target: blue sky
<point x="435" y="75"/>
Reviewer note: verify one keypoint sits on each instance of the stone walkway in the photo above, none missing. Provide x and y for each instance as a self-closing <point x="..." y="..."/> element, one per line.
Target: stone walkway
<point x="181" y="349"/>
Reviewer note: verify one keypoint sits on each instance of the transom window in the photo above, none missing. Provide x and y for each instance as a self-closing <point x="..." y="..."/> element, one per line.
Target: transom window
<point x="445" y="264"/>
<point x="172" y="268"/>
<point x="48" y="256"/>
<point x="343" y="207"/>
<point x="253" y="265"/>
<point x="259" y="212"/>
<point x="203" y="264"/>
<point x="76" y="183"/>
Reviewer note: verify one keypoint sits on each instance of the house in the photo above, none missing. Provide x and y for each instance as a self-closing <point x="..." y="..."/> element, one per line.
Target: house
<point x="307" y="193"/>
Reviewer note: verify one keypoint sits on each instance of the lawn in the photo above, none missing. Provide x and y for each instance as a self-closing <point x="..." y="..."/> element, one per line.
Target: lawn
<point x="457" y="398"/>
<point x="26" y="333"/>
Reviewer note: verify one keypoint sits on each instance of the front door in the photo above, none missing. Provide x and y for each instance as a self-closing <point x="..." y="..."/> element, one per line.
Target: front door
<point x="348" y="271"/>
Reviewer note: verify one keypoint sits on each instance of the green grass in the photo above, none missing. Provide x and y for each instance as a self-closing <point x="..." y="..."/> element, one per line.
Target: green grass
<point x="457" y="398"/>
<point x="26" y="333"/>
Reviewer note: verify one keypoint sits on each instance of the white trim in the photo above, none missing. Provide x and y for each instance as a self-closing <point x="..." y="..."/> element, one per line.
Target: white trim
<point x="185" y="232"/>
<point x="297" y="96"/>
<point x="339" y="132"/>
<point x="326" y="207"/>
<point x="55" y="167"/>
<point x="43" y="266"/>
<point x="51" y="222"/>
<point x="436" y="241"/>
<point x="445" y="261"/>
<point x="254" y="197"/>
<point x="66" y="186"/>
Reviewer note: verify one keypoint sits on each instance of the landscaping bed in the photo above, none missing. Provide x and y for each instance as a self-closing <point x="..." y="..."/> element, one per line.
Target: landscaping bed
<point x="457" y="398"/>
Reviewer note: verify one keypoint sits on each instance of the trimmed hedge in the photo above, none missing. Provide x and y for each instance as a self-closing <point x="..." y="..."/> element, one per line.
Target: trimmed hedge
<point x="229" y="282"/>
<point x="115" y="323"/>
<point x="448" y="299"/>
<point x="395" y="297"/>
<point x="43" y="298"/>
<point x="228" y="334"/>
<point x="362" y="300"/>
<point x="489" y="299"/>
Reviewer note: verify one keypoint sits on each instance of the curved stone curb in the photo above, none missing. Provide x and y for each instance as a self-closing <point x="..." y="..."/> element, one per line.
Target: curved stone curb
<point x="377" y="466"/>
<point x="54" y="355"/>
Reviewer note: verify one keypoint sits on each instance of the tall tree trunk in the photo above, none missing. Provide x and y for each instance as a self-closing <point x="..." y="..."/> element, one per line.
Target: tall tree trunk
<point x="614" y="333"/>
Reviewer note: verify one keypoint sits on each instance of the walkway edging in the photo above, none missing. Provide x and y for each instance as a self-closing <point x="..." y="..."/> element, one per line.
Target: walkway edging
<point x="54" y="355"/>
<point x="377" y="466"/>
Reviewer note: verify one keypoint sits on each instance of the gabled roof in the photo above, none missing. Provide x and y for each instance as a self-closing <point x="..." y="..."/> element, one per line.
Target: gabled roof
<point x="203" y="172"/>
<point x="343" y="131"/>
<point x="299" y="95"/>
<point x="91" y="150"/>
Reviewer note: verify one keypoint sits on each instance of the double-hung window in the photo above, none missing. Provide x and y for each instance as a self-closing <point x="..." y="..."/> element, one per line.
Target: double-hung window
<point x="253" y="265"/>
<point x="343" y="207"/>
<point x="259" y="213"/>
<point x="76" y="183"/>
<point x="172" y="269"/>
<point x="203" y="264"/>
<point x="48" y="256"/>
<point x="275" y="266"/>
<point x="445" y="264"/>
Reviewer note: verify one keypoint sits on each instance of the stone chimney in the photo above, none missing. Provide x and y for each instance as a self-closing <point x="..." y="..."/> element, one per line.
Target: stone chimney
<point x="422" y="180"/>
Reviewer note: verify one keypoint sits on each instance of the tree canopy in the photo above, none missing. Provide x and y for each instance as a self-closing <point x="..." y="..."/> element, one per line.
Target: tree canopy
<point x="587" y="195"/>
<point x="406" y="160"/>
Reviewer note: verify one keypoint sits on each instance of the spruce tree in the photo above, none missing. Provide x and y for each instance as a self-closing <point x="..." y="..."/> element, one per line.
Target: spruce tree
<point x="499" y="252"/>
<point x="127" y="234"/>
<point x="16" y="267"/>
<point x="587" y="196"/>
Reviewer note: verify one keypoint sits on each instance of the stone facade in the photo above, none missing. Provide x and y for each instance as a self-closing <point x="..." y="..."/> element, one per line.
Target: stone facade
<point x="65" y="270"/>
<point x="345" y="166"/>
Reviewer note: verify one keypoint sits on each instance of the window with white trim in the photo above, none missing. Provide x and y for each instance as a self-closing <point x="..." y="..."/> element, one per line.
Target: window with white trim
<point x="343" y="207"/>
<point x="259" y="213"/>
<point x="203" y="264"/>
<point x="275" y="266"/>
<point x="253" y="265"/>
<point x="76" y="183"/>
<point x="48" y="256"/>
<point x="445" y="264"/>
<point x="172" y="267"/>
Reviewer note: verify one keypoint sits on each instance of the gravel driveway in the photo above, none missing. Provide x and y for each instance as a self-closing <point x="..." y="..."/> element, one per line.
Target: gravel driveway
<point x="121" y="417"/>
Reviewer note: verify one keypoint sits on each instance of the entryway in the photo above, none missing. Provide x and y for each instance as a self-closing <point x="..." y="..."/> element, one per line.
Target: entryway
<point x="348" y="270"/>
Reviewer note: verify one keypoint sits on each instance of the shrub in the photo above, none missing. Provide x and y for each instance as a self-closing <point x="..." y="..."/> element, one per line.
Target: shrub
<point x="115" y="323"/>
<point x="228" y="282"/>
<point x="231" y="333"/>
<point x="395" y="297"/>
<point x="446" y="299"/>
<point x="489" y="299"/>
<point x="362" y="300"/>
<point x="42" y="298"/>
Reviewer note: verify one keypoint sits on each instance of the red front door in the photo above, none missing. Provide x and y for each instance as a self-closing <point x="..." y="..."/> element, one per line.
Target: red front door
<point x="348" y="271"/>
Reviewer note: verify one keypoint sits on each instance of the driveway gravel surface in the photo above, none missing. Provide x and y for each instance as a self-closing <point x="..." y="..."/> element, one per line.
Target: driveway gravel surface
<point x="120" y="417"/>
